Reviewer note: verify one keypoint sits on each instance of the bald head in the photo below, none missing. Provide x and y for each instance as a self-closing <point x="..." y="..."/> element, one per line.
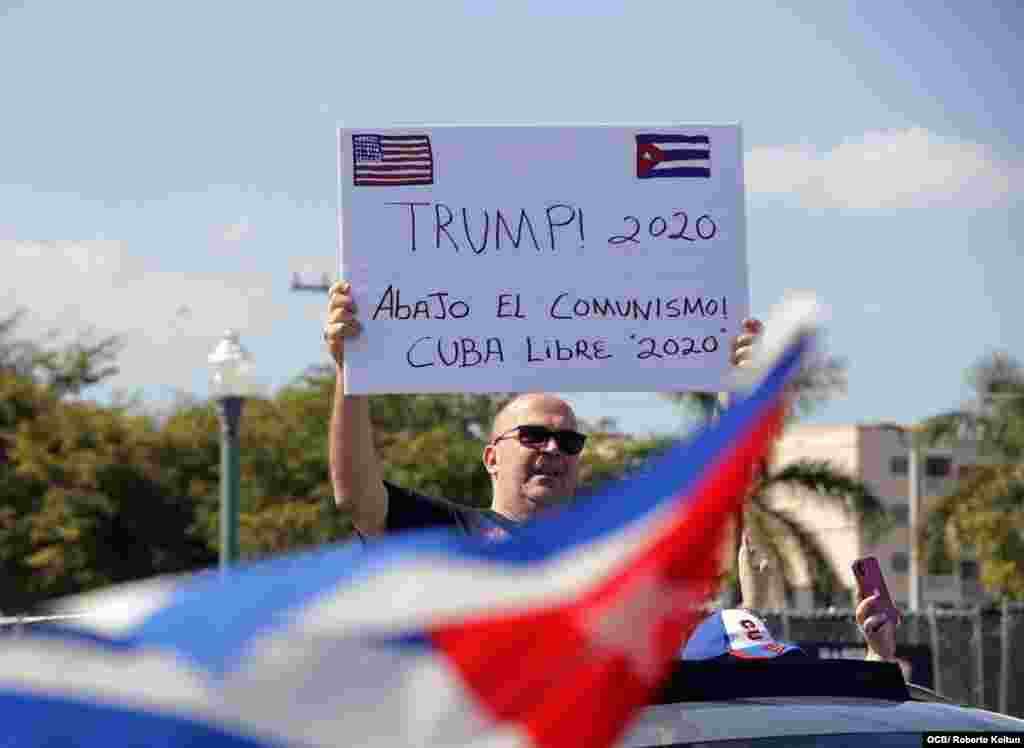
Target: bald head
<point x="528" y="477"/>
<point x="515" y="411"/>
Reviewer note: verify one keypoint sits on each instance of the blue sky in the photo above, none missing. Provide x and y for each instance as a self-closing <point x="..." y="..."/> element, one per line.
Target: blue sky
<point x="165" y="168"/>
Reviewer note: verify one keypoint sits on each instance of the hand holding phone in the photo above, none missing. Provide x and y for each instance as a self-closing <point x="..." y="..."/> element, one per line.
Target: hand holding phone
<point x="868" y="574"/>
<point x="873" y="616"/>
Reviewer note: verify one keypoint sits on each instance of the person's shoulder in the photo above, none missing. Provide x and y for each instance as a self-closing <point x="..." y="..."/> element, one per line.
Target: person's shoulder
<point x="406" y="494"/>
<point x="409" y="510"/>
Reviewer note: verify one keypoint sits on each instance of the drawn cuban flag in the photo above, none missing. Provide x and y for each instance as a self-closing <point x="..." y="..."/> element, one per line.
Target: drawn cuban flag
<point x="666" y="155"/>
<point x="552" y="637"/>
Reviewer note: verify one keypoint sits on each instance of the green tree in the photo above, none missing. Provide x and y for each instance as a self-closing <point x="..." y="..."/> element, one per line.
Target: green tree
<point x="104" y="512"/>
<point x="994" y="417"/>
<point x="287" y="500"/>
<point x="20" y="400"/>
<point x="34" y="377"/>
<point x="83" y="500"/>
<point x="984" y="516"/>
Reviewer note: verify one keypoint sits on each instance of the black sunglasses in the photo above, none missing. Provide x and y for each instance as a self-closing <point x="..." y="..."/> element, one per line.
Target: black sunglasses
<point x="535" y="437"/>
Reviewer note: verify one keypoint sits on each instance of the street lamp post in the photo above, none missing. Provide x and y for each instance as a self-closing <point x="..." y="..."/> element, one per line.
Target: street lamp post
<point x="229" y="409"/>
<point x="230" y="383"/>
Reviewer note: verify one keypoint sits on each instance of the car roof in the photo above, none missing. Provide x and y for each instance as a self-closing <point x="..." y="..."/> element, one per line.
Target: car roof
<point x="725" y="699"/>
<point x="671" y="724"/>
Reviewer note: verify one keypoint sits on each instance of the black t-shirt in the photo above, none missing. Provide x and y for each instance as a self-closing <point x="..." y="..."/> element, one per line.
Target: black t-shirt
<point x="408" y="510"/>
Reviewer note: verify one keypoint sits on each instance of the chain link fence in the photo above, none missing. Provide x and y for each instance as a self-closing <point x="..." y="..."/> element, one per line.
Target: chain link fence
<point x="974" y="656"/>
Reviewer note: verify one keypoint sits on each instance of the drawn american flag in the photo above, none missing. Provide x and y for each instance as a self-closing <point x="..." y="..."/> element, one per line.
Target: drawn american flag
<point x="391" y="160"/>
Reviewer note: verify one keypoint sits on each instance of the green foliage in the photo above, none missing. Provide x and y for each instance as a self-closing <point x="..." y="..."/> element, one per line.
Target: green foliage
<point x="102" y="512"/>
<point x="92" y="495"/>
<point x="83" y="495"/>
<point x="289" y="524"/>
<point x="984" y="515"/>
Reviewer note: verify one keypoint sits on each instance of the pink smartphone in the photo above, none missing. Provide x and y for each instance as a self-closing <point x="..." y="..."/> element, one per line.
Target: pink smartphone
<point x="869" y="578"/>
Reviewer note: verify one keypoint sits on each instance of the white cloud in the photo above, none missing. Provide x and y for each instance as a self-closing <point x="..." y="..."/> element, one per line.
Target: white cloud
<point x="885" y="170"/>
<point x="168" y="321"/>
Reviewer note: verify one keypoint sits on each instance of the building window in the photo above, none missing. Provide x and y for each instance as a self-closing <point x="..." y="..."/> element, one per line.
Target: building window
<point x="900" y="562"/>
<point x="900" y="513"/>
<point x="969" y="570"/>
<point x="898" y="465"/>
<point x="938" y="467"/>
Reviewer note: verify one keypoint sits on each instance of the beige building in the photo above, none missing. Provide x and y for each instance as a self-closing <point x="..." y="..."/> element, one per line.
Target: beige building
<point x="877" y="454"/>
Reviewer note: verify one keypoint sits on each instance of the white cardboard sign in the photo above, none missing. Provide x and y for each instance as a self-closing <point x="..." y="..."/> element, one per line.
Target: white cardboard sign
<point x="488" y="259"/>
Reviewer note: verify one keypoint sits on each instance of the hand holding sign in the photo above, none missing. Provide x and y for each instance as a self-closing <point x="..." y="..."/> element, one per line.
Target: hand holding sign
<point x="341" y="322"/>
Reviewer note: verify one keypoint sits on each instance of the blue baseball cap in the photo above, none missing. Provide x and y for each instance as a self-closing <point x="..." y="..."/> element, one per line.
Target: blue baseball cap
<point x="737" y="633"/>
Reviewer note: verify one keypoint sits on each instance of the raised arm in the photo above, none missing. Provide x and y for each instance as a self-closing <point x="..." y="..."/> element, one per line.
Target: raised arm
<point x="355" y="468"/>
<point x="757" y="577"/>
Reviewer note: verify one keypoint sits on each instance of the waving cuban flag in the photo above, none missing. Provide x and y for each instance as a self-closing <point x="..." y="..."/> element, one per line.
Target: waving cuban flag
<point x="554" y="637"/>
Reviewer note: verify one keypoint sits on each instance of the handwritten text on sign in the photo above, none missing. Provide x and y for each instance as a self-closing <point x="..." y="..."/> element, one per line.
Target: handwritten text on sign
<point x="543" y="258"/>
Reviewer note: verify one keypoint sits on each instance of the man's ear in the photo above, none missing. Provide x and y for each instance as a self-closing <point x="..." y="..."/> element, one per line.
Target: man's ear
<point x="490" y="458"/>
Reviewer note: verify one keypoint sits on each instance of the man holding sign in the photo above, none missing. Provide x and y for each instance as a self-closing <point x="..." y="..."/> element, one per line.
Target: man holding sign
<point x="532" y="455"/>
<point x="490" y="259"/>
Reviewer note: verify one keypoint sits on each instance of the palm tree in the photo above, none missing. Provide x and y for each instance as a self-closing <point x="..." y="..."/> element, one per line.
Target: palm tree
<point x="779" y="533"/>
<point x="995" y="417"/>
<point x="985" y="513"/>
